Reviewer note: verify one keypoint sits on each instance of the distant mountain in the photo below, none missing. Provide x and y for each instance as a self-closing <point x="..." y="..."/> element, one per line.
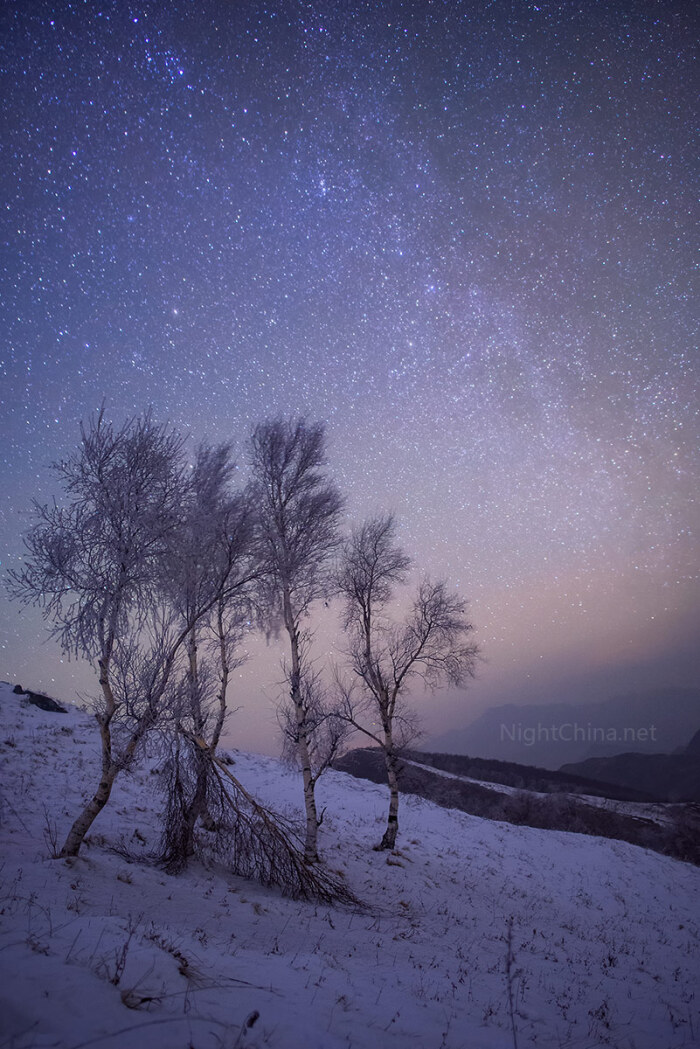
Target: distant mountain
<point x="554" y="734"/>
<point x="694" y="745"/>
<point x="669" y="777"/>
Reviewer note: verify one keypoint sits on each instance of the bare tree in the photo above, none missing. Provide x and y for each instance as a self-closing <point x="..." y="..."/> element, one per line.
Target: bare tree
<point x="211" y="566"/>
<point x="94" y="565"/>
<point x="299" y="510"/>
<point x="433" y="644"/>
<point x="149" y="570"/>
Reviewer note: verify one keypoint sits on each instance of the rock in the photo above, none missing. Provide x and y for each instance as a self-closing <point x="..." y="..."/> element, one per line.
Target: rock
<point x="38" y="699"/>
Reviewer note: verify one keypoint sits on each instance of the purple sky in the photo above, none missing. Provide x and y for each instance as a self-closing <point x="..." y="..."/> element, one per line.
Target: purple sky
<point x="460" y="233"/>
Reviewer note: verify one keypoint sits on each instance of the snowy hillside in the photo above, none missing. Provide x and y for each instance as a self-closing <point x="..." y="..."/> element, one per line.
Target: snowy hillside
<point x="108" y="952"/>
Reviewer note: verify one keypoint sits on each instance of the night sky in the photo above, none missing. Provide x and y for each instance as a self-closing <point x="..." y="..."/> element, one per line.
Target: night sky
<point x="459" y="232"/>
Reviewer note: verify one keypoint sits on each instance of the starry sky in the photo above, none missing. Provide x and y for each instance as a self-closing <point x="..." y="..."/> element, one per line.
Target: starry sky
<point x="459" y="232"/>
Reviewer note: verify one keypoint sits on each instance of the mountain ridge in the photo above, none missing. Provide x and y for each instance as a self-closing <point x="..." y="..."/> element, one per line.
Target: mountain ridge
<point x="554" y="734"/>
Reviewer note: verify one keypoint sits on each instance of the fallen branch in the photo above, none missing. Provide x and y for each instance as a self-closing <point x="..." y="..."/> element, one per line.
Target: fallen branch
<point x="260" y="844"/>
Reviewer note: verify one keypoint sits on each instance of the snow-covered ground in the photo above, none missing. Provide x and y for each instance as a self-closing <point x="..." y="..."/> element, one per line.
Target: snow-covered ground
<point x="101" y="951"/>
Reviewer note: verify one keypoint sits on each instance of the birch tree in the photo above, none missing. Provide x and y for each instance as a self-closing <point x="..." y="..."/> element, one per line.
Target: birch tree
<point x="93" y="565"/>
<point x="212" y="565"/>
<point x="433" y="644"/>
<point x="299" y="510"/>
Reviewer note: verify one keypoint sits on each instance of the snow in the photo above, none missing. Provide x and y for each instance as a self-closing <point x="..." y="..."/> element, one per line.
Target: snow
<point x="109" y="952"/>
<point x="498" y="788"/>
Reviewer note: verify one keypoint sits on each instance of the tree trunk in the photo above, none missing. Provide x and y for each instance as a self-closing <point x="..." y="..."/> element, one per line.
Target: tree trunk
<point x="76" y="834"/>
<point x="224" y="671"/>
<point x="197" y="807"/>
<point x="110" y="771"/>
<point x="91" y="811"/>
<point x="311" y="837"/>
<point x="392" y="824"/>
<point x="207" y="820"/>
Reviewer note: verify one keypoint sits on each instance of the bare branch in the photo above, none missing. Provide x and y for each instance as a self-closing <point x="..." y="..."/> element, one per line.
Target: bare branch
<point x="325" y="728"/>
<point x="255" y="841"/>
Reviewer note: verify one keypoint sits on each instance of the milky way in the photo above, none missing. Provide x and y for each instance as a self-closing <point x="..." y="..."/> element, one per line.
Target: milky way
<point x="458" y="232"/>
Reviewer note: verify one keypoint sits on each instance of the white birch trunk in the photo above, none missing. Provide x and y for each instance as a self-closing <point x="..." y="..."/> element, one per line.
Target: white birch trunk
<point x="311" y="836"/>
<point x="392" y="824"/>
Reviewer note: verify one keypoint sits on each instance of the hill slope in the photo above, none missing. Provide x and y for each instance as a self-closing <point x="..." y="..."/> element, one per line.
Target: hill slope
<point x="673" y="830"/>
<point x="109" y="950"/>
<point x="525" y="777"/>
